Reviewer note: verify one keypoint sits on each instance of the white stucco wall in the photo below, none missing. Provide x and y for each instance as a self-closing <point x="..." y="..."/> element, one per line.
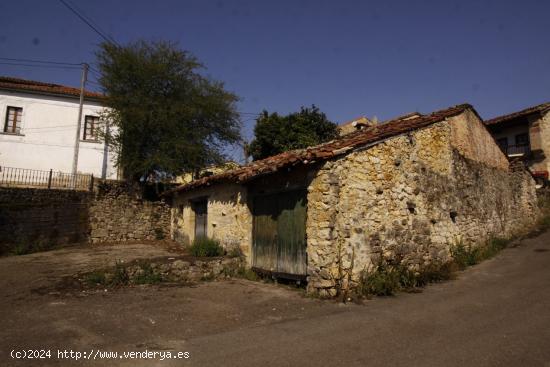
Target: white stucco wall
<point x="47" y="136"/>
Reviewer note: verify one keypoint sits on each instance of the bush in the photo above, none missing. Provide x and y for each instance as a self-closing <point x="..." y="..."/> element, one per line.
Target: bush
<point x="206" y="247"/>
<point x="384" y="281"/>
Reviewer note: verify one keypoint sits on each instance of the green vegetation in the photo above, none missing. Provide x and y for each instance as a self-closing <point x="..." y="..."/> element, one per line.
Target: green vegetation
<point x="464" y="256"/>
<point x="206" y="247"/>
<point x="147" y="275"/>
<point x="166" y="117"/>
<point x="119" y="276"/>
<point x="159" y="234"/>
<point x="274" y="134"/>
<point x="96" y="278"/>
<point x="387" y="279"/>
<point x="29" y="247"/>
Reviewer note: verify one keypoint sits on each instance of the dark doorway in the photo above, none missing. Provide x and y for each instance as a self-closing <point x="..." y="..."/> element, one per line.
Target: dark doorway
<point x="279" y="244"/>
<point x="200" y="207"/>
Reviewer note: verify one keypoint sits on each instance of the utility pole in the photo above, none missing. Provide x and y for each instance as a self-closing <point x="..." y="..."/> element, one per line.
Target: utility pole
<point x="77" y="140"/>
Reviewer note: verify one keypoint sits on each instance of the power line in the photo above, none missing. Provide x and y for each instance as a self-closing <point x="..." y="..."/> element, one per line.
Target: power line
<point x="41" y="66"/>
<point x="41" y="61"/>
<point x="89" y="23"/>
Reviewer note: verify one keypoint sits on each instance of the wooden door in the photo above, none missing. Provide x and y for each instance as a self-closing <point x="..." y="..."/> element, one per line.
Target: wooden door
<point x="279" y="233"/>
<point x="200" y="208"/>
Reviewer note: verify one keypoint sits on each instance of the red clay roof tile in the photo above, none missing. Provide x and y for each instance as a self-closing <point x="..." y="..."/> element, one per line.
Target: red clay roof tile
<point x="342" y="145"/>
<point x="31" y="86"/>
<point x="522" y="113"/>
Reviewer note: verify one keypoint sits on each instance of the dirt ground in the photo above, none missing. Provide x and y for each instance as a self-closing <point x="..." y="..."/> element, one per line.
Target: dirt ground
<point x="496" y="313"/>
<point x="39" y="311"/>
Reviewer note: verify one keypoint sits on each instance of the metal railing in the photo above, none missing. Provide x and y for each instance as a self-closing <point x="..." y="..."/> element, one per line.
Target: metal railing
<point x="23" y="177"/>
<point x="516" y="150"/>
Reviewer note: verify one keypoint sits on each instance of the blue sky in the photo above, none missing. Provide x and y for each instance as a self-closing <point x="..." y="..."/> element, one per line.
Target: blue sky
<point x="350" y="58"/>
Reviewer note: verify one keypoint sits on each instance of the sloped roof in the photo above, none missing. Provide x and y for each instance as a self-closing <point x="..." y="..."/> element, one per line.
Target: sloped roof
<point x="522" y="113"/>
<point x="340" y="146"/>
<point x="31" y="86"/>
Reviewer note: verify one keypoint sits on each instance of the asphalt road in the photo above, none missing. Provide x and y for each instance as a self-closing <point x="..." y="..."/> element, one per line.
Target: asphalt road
<point x="496" y="314"/>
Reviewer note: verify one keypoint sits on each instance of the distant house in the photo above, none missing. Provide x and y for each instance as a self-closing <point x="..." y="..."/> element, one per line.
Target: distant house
<point x="403" y="192"/>
<point x="205" y="172"/>
<point x="525" y="134"/>
<point x="38" y="129"/>
<point x="354" y="125"/>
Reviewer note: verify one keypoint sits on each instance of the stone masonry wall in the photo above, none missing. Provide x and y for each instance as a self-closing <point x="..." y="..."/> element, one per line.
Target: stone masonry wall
<point x="42" y="217"/>
<point x="115" y="214"/>
<point x="229" y="217"/>
<point x="409" y="199"/>
<point x="544" y="141"/>
<point x="51" y="217"/>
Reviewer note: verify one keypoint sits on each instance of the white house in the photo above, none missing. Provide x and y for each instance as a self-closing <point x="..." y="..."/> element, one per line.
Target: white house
<point x="38" y="128"/>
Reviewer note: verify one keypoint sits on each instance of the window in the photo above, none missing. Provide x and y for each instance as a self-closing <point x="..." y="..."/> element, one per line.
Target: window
<point x="91" y="124"/>
<point x="13" y="120"/>
<point x="503" y="143"/>
<point x="522" y="139"/>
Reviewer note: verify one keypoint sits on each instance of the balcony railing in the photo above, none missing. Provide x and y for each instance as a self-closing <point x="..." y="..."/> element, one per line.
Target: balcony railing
<point x="22" y="177"/>
<point x="516" y="150"/>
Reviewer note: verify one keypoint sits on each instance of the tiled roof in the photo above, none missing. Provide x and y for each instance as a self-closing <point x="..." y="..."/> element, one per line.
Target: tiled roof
<point x="31" y="86"/>
<point x="522" y="113"/>
<point x="340" y="146"/>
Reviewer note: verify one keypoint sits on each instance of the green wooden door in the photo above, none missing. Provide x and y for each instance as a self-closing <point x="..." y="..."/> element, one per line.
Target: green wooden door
<point x="279" y="233"/>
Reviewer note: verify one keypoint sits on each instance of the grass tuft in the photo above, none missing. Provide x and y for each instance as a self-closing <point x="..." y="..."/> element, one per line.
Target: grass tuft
<point x="206" y="247"/>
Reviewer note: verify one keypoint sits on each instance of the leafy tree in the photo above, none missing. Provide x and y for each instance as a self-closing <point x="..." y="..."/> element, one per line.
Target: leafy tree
<point x="274" y="134"/>
<point x="165" y="117"/>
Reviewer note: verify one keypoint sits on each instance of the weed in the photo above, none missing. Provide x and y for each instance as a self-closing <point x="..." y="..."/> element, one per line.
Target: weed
<point x="96" y="277"/>
<point x="206" y="247"/>
<point x="464" y="256"/>
<point x="387" y="279"/>
<point x="20" y="249"/>
<point x="247" y="273"/>
<point x="240" y="272"/>
<point x="32" y="246"/>
<point x="147" y="275"/>
<point x="383" y="281"/>
<point x="120" y="275"/>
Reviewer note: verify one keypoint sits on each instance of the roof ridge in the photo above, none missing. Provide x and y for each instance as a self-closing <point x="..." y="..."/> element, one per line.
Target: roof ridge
<point x="334" y="148"/>
<point x="526" y="111"/>
<point x="26" y="85"/>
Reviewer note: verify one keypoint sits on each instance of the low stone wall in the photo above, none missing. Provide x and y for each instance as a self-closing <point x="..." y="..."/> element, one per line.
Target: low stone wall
<point x="186" y="270"/>
<point x="115" y="214"/>
<point x="40" y="218"/>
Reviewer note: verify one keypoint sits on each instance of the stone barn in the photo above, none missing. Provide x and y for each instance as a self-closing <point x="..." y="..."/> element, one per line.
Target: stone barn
<point x="407" y="189"/>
